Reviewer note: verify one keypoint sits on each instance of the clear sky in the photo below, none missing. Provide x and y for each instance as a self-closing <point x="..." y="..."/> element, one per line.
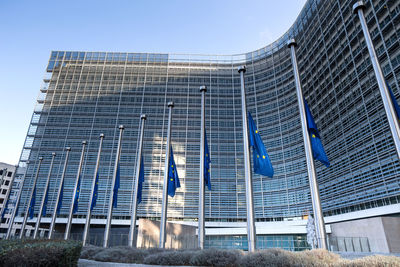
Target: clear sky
<point x="30" y="29"/>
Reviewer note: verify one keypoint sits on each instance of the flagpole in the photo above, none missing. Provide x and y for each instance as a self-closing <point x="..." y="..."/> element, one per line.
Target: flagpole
<point x="136" y="188"/>
<point x="6" y="199"/>
<point x="60" y="186"/>
<point x="39" y="217"/>
<point x="30" y="199"/>
<point x="251" y="229"/>
<point x="358" y="8"/>
<point x="201" y="230"/>
<point x="10" y="226"/>
<point x="110" y="202"/>
<point x="163" y="222"/>
<point x="89" y="211"/>
<point x="77" y="180"/>
<point x="312" y="175"/>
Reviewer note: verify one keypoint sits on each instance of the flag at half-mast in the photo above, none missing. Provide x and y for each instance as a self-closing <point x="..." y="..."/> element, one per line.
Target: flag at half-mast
<point x="261" y="162"/>
<point x="46" y="199"/>
<point x="4" y="209"/>
<point x="394" y="101"/>
<point x="141" y="181"/>
<point x="316" y="144"/>
<point x="76" y="200"/>
<point x="59" y="205"/>
<point x="173" y="179"/>
<point x="116" y="187"/>
<point x="95" y="191"/>
<point x="32" y="204"/>
<point x="207" y="161"/>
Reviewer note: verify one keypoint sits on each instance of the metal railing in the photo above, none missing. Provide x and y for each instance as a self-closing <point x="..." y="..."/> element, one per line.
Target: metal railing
<point x="349" y="244"/>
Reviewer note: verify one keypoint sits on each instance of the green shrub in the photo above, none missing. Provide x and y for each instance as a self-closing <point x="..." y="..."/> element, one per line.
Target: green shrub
<point x="120" y="254"/>
<point x="273" y="257"/>
<point x="321" y="256"/>
<point x="169" y="258"/>
<point x="216" y="257"/>
<point x="39" y="253"/>
<point x="231" y="258"/>
<point x="88" y="252"/>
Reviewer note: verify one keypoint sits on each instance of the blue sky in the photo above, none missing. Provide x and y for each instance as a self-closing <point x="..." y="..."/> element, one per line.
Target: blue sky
<point x="31" y="29"/>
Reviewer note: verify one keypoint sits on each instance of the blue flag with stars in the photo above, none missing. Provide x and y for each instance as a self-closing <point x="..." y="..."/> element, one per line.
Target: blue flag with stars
<point x="59" y="205"/>
<point x="207" y="161"/>
<point x="261" y="162"/>
<point x="173" y="179"/>
<point x="46" y="199"/>
<point x="116" y="187"/>
<point x="141" y="181"/>
<point x="95" y="190"/>
<point x="316" y="144"/>
<point x="4" y="209"/>
<point x="32" y="204"/>
<point x="76" y="200"/>
<point x="394" y="101"/>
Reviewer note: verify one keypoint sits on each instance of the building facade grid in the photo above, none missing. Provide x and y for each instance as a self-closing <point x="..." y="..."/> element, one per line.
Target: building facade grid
<point x="88" y="93"/>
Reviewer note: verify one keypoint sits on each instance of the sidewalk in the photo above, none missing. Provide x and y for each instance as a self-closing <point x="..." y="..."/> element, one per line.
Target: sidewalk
<point x="355" y="255"/>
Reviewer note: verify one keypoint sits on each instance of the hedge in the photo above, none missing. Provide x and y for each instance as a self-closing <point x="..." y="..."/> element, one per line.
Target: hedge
<point x="233" y="258"/>
<point x="29" y="252"/>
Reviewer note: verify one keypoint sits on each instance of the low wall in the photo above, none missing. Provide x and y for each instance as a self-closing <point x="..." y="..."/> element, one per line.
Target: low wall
<point x="178" y="236"/>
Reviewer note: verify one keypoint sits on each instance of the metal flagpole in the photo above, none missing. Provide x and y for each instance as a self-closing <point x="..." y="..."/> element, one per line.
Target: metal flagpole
<point x="251" y="229"/>
<point x="163" y="222"/>
<point x="8" y="191"/>
<point x="39" y="217"/>
<point x="10" y="226"/>
<point x="358" y="8"/>
<point x="30" y="199"/>
<point x="136" y="186"/>
<point x="60" y="186"/>
<point x="312" y="175"/>
<point x="89" y="211"/>
<point x="201" y="230"/>
<point x="71" y="207"/>
<point x="110" y="202"/>
<point x="2" y="176"/>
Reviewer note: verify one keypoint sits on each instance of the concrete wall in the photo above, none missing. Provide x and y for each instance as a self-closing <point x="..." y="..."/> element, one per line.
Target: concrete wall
<point x="383" y="233"/>
<point x="392" y="231"/>
<point x="178" y="236"/>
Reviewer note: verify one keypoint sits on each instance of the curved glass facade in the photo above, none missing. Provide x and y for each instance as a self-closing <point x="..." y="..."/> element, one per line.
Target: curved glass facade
<point x="88" y="93"/>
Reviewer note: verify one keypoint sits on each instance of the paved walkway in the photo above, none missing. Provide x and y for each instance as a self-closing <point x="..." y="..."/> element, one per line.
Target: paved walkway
<point x="355" y="255"/>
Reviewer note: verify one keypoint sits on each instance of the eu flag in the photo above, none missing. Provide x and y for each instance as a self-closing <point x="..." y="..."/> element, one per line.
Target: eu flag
<point x="394" y="101"/>
<point x="141" y="181"/>
<point x="173" y="179"/>
<point x="316" y="144"/>
<point x="95" y="190"/>
<point x="4" y="209"/>
<point x="76" y="200"/>
<point x="261" y="162"/>
<point x="207" y="178"/>
<point x="46" y="199"/>
<point x="59" y="206"/>
<point x="32" y="204"/>
<point x="116" y="187"/>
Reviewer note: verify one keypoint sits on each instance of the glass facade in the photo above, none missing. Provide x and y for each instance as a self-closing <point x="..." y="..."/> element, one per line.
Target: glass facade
<point x="287" y="242"/>
<point x="88" y="93"/>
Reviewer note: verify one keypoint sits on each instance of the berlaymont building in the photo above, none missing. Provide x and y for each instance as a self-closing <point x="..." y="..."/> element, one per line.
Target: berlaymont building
<point x="85" y="94"/>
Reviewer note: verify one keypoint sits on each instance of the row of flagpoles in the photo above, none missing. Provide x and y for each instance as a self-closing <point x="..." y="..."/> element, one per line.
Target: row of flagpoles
<point x="251" y="138"/>
<point x="261" y="163"/>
